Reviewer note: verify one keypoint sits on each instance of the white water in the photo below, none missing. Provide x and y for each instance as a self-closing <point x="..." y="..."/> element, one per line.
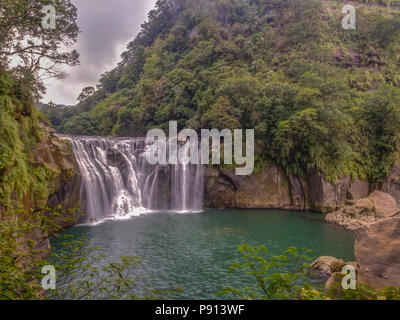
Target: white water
<point x="118" y="182"/>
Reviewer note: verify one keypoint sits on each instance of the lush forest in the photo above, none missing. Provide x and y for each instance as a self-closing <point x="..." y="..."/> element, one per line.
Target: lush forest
<point x="320" y="98"/>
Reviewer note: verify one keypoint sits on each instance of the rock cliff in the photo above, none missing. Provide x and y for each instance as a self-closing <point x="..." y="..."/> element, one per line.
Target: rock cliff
<point x="274" y="189"/>
<point x="59" y="184"/>
<point x="391" y="185"/>
<point x="64" y="189"/>
<point x="271" y="189"/>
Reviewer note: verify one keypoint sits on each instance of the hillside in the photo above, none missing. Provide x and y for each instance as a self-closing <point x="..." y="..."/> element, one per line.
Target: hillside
<point x="320" y="98"/>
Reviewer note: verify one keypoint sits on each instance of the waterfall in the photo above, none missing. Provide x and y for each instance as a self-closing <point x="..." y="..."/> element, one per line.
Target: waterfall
<point x="118" y="182"/>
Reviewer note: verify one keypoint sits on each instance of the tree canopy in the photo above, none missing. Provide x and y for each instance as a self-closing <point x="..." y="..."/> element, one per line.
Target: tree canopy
<point x="37" y="50"/>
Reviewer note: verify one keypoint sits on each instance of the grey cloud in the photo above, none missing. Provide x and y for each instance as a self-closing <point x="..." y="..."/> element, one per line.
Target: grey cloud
<point x="106" y="27"/>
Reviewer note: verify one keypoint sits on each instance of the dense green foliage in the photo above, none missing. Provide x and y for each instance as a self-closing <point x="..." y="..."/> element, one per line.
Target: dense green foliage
<point x="23" y="181"/>
<point x="300" y="284"/>
<point x="320" y="97"/>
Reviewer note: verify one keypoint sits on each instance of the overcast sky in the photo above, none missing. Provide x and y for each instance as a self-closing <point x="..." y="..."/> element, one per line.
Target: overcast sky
<point x="106" y="28"/>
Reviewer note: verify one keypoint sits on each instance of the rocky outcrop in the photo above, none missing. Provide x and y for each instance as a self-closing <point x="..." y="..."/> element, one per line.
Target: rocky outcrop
<point x="64" y="187"/>
<point x="385" y="205"/>
<point x="328" y="265"/>
<point x="330" y="269"/>
<point x="274" y="189"/>
<point x="377" y="206"/>
<point x="325" y="196"/>
<point x="377" y="250"/>
<point x="54" y="164"/>
<point x="271" y="189"/>
<point x="357" y="190"/>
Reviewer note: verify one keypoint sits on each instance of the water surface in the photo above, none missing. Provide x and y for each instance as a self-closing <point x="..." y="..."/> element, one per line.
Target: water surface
<point x="194" y="251"/>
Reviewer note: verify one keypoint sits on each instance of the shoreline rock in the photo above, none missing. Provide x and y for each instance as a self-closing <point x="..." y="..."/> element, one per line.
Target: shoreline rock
<point x="377" y="206"/>
<point x="377" y="250"/>
<point x="328" y="265"/>
<point x="330" y="270"/>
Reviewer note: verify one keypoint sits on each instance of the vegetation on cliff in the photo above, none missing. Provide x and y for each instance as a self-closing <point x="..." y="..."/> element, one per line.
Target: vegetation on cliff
<point x="28" y="53"/>
<point x="21" y="178"/>
<point x="319" y="97"/>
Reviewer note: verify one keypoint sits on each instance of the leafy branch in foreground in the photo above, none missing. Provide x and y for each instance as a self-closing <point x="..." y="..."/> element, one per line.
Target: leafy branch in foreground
<point x="362" y="292"/>
<point x="271" y="282"/>
<point x="289" y="277"/>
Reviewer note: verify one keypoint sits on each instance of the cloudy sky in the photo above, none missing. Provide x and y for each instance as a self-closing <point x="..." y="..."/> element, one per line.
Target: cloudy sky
<point x="106" y="28"/>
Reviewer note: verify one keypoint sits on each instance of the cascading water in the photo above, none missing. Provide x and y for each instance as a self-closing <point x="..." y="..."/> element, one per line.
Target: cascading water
<point x="118" y="181"/>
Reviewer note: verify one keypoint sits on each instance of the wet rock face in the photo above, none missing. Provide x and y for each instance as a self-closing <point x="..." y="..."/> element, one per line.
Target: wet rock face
<point x="274" y="189"/>
<point x="391" y="185"/>
<point x="325" y="196"/>
<point x="377" y="250"/>
<point x="271" y="189"/>
<point x="299" y="193"/>
<point x="358" y="189"/>
<point x="65" y="187"/>
<point x="160" y="195"/>
<point x="115" y="158"/>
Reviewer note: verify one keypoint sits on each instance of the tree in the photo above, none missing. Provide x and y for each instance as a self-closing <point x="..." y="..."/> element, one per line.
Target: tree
<point x="52" y="105"/>
<point x="219" y="116"/>
<point x="86" y="92"/>
<point x="37" y="50"/>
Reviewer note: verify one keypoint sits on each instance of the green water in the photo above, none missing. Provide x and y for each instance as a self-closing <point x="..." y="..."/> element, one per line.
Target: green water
<point x="194" y="251"/>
